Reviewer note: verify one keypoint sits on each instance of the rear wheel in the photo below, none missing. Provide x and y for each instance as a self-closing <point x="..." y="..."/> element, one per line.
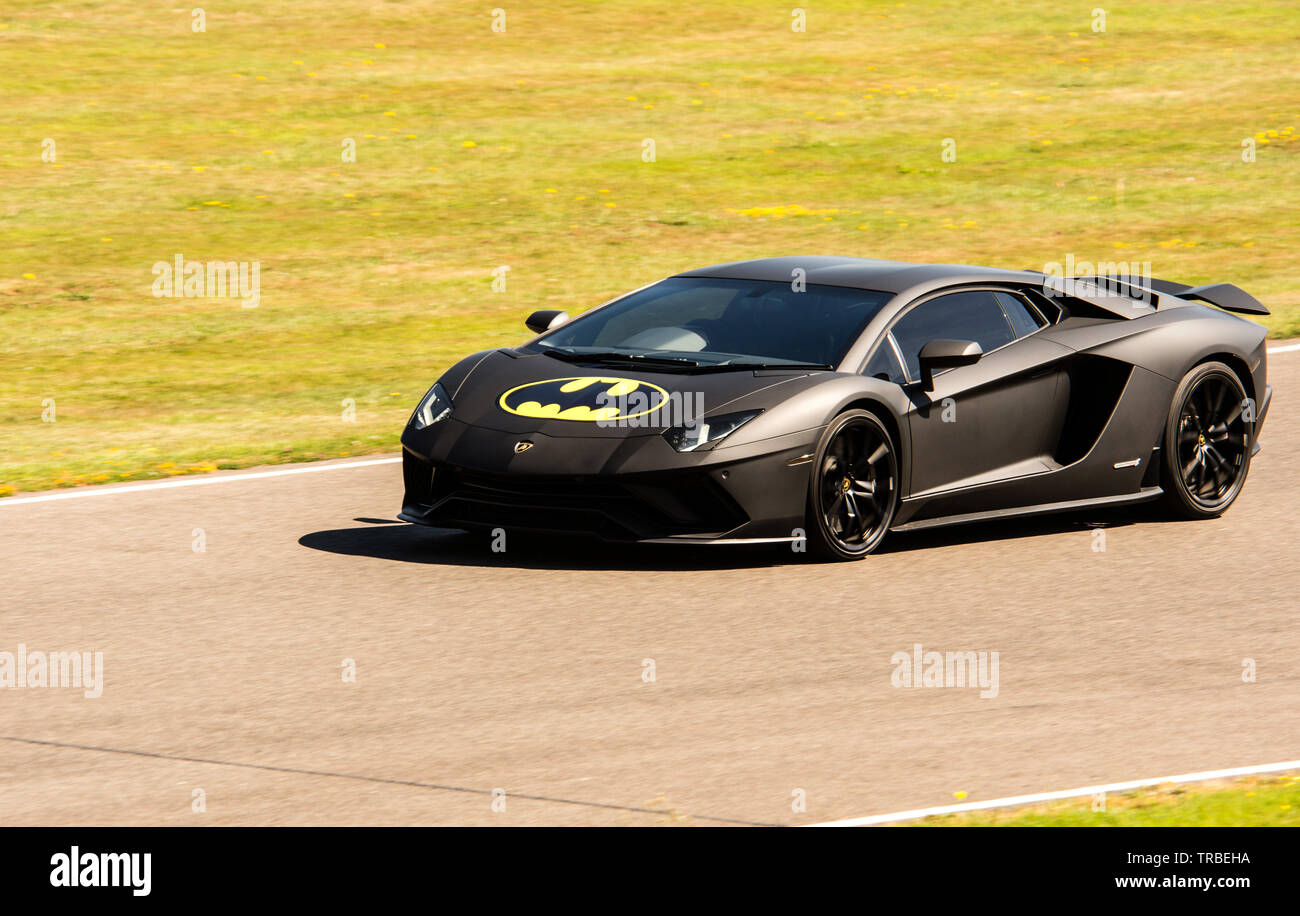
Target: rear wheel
<point x="853" y="492"/>
<point x="1207" y="442"/>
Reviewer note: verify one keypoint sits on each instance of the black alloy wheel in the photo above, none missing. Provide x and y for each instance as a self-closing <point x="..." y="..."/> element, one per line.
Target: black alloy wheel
<point x="854" y="487"/>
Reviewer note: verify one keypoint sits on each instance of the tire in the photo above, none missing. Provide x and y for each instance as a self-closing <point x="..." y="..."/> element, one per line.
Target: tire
<point x="849" y="512"/>
<point x="1207" y="443"/>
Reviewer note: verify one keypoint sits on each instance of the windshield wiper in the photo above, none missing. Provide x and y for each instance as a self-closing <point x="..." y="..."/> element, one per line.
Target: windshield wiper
<point x="723" y="367"/>
<point x="572" y="356"/>
<point x="673" y="362"/>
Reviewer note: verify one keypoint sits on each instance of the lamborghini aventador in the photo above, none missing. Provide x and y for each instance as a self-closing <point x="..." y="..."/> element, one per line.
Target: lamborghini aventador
<point x="826" y="401"/>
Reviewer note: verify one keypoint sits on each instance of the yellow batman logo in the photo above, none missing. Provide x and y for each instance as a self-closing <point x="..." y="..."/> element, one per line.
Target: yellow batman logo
<point x="590" y="398"/>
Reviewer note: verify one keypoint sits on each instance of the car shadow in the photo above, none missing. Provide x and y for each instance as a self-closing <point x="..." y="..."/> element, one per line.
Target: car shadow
<point x="405" y="543"/>
<point x="400" y="542"/>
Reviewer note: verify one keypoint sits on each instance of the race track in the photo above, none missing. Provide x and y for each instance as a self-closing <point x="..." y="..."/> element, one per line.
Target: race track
<point x="523" y="671"/>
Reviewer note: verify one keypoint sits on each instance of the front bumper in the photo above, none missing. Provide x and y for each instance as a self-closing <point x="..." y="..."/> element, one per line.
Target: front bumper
<point x="746" y="494"/>
<point x="630" y="509"/>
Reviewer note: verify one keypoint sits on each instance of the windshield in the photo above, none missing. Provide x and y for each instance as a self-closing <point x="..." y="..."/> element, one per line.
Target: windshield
<point x="701" y="322"/>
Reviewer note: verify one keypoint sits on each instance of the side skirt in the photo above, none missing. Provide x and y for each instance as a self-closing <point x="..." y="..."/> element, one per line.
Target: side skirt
<point x="704" y="542"/>
<point x="1143" y="495"/>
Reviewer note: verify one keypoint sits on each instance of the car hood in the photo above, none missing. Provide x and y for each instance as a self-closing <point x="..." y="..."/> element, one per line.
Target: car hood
<point x="515" y="392"/>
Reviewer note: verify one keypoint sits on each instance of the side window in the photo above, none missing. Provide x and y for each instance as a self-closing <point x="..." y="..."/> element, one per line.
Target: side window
<point x="1024" y="319"/>
<point x="1049" y="308"/>
<point x="884" y="364"/>
<point x="972" y="315"/>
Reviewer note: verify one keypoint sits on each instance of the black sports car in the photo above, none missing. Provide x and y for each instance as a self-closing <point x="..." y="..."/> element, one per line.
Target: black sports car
<point x="825" y="401"/>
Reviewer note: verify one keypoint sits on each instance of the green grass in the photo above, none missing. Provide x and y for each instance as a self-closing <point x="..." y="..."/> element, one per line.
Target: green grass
<point x="1252" y="802"/>
<point x="477" y="149"/>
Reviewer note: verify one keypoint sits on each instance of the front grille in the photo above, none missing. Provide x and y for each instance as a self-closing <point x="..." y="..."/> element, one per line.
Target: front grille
<point x="633" y="508"/>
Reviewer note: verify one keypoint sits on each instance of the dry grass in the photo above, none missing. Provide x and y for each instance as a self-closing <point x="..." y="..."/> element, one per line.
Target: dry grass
<point x="1271" y="801"/>
<point x="477" y="149"/>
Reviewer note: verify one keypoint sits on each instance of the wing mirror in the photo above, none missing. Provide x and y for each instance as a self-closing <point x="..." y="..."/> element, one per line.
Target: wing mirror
<point x="946" y="354"/>
<point x="540" y="322"/>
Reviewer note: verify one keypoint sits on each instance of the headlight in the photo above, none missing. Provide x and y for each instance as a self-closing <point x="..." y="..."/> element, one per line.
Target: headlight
<point x="434" y="406"/>
<point x="706" y="432"/>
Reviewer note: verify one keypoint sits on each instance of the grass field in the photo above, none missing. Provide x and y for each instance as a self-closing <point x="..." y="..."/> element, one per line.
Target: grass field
<point x="1254" y="802"/>
<point x="477" y="149"/>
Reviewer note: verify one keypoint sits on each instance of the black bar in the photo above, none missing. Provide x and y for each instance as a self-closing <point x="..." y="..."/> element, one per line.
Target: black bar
<point x="332" y="865"/>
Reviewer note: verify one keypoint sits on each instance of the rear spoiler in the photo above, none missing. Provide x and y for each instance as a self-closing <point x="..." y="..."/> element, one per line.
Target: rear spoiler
<point x="1224" y="295"/>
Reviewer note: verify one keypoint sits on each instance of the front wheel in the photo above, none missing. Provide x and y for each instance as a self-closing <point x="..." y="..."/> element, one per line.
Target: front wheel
<point x="853" y="492"/>
<point x="1207" y="442"/>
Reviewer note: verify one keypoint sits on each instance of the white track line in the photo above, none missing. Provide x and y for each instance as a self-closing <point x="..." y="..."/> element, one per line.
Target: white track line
<point x="1056" y="796"/>
<point x="193" y="481"/>
<point x="1287" y="349"/>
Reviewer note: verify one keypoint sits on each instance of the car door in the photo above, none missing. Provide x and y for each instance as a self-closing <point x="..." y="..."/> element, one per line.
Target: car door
<point x="989" y="423"/>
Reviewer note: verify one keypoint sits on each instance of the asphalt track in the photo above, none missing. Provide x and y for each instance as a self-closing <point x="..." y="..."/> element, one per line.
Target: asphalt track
<point x="523" y="671"/>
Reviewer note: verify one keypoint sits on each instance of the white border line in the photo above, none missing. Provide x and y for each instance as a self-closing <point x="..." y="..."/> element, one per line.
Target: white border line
<point x="192" y="481"/>
<point x="1287" y="349"/>
<point x="1054" y="796"/>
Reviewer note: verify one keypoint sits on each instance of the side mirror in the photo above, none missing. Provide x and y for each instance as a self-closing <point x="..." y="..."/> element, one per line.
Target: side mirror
<point x="946" y="354"/>
<point x="544" y="320"/>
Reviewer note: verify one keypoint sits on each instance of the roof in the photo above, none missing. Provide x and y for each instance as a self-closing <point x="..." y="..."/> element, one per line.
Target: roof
<point x="861" y="273"/>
